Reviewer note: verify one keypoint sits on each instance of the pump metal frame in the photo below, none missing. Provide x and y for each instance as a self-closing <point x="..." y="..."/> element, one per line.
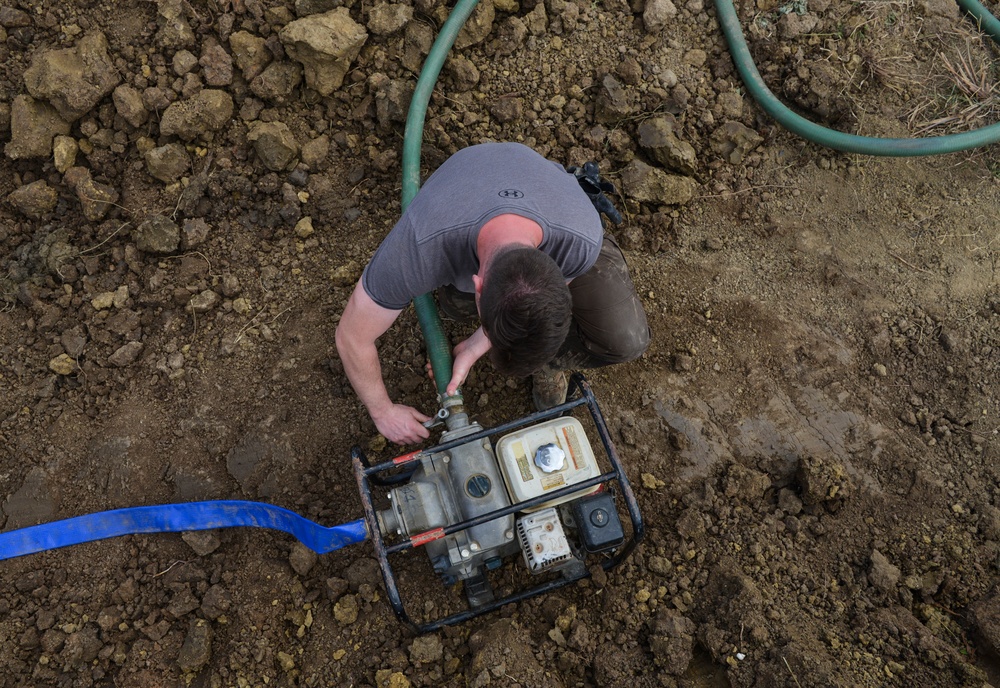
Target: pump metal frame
<point x="366" y="475"/>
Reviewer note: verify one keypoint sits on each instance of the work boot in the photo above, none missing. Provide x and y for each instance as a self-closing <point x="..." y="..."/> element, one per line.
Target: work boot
<point x="548" y="388"/>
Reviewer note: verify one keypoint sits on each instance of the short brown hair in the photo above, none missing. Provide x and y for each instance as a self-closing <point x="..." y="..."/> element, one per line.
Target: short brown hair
<point x="526" y="309"/>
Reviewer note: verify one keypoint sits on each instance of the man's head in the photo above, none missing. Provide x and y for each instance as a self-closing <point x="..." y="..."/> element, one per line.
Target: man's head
<point x="525" y="307"/>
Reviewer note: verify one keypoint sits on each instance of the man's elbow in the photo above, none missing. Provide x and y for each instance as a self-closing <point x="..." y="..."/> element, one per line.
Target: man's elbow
<point x="340" y="338"/>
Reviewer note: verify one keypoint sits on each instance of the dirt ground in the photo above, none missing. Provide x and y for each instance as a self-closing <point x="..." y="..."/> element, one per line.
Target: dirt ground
<point x="812" y="435"/>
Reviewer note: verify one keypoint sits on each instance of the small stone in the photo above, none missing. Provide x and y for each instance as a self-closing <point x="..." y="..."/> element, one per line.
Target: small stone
<point x="304" y="228"/>
<point x="33" y="126"/>
<point x="195" y="232"/>
<point x="822" y="479"/>
<point x="651" y="482"/>
<point x="345" y="611"/>
<point x="206" y="112"/>
<point x="203" y="302"/>
<point x="73" y="80"/>
<point x="35" y="199"/>
<point x="302" y="559"/>
<point x="62" y="365"/>
<point x="250" y="53"/>
<point x="197" y="648"/>
<point x="168" y="163"/>
<point x="174" y="30"/>
<point x="277" y="82"/>
<point x="286" y="661"/>
<point x="426" y="649"/>
<point x="184" y="61"/>
<point x="387" y="18"/>
<point x="103" y="301"/>
<point x="242" y="306"/>
<point x="880" y="370"/>
<point x="120" y="296"/>
<point x="882" y="574"/>
<point x="275" y="145"/>
<point x="657" y="14"/>
<point x="314" y="152"/>
<point x="203" y="542"/>
<point x="125" y="354"/>
<point x="64" y="150"/>
<point x="231" y="285"/>
<point x="652" y="185"/>
<point x="733" y="141"/>
<point x="128" y="102"/>
<point x="660" y="565"/>
<point x="96" y="199"/>
<point x="216" y="602"/>
<point x="216" y="64"/>
<point x="683" y="363"/>
<point x="157" y="234"/>
<point x="326" y="44"/>
<point x="397" y="679"/>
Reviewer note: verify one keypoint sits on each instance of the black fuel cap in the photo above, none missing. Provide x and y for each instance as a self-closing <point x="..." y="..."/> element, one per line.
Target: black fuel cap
<point x="478" y="485"/>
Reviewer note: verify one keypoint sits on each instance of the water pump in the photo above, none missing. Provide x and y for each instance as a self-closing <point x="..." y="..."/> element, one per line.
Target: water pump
<point x="474" y="501"/>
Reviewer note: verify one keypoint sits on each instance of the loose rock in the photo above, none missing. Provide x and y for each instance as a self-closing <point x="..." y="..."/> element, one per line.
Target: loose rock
<point x="345" y="611"/>
<point x="128" y="102"/>
<point x="33" y="126"/>
<point x="277" y="82"/>
<point x="250" y="53"/>
<point x="73" y="80"/>
<point x="426" y="649"/>
<point x="657" y="136"/>
<point x="35" y="199"/>
<point x="302" y="559"/>
<point x="732" y="141"/>
<point x="326" y="45"/>
<point x="157" y="234"/>
<point x="275" y="145"/>
<point x="652" y="185"/>
<point x="197" y="648"/>
<point x="206" y="112"/>
<point x="125" y="355"/>
<point x="64" y="150"/>
<point x="387" y="18"/>
<point x="168" y="163"/>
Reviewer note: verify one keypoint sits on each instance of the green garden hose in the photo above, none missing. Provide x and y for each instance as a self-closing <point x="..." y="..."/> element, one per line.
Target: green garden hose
<point x="438" y="347"/>
<point x="850" y="143"/>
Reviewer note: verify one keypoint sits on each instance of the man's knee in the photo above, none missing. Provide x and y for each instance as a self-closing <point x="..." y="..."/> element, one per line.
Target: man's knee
<point x="630" y="345"/>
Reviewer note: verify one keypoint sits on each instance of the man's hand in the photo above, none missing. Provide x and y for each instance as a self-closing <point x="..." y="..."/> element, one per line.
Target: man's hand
<point x="363" y="322"/>
<point x="401" y="424"/>
<point x="467" y="352"/>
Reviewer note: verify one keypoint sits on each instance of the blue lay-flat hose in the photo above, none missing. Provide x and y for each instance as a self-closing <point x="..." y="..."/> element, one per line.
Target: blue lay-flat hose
<point x="176" y="518"/>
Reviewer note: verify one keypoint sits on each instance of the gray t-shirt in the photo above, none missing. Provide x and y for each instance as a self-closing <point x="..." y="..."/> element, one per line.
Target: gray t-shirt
<point x="434" y="242"/>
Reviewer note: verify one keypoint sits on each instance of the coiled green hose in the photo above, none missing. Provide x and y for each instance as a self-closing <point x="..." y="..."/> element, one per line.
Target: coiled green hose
<point x="850" y="143"/>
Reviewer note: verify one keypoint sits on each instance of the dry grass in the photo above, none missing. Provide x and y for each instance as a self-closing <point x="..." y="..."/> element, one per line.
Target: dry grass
<point x="887" y="71"/>
<point x="967" y="97"/>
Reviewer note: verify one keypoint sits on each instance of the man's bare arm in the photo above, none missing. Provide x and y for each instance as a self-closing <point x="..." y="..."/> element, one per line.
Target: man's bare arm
<point x="362" y="323"/>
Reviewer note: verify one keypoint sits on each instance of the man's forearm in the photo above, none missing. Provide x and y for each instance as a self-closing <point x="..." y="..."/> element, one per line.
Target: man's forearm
<point x="364" y="372"/>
